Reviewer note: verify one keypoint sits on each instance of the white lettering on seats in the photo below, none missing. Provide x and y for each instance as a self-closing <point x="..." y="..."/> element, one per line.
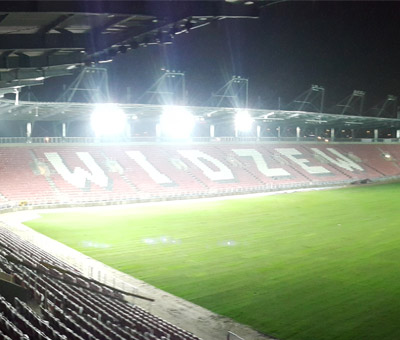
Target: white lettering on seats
<point x="142" y="161"/>
<point x="196" y="157"/>
<point x="292" y="152"/>
<point x="342" y="161"/>
<point x="260" y="163"/>
<point x="79" y="176"/>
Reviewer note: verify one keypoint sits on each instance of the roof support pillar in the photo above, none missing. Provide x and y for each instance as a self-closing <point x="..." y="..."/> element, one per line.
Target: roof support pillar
<point x="212" y="131"/>
<point x="64" y="130"/>
<point x="332" y="134"/>
<point x="397" y="133"/>
<point x="376" y="134"/>
<point x="28" y="130"/>
<point x="258" y="131"/>
<point x="298" y="131"/>
<point x="16" y="91"/>
<point x="316" y="132"/>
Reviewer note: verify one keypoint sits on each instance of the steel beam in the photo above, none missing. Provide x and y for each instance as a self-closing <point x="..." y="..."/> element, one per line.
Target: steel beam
<point x="175" y="10"/>
<point x="43" y="41"/>
<point x="54" y="23"/>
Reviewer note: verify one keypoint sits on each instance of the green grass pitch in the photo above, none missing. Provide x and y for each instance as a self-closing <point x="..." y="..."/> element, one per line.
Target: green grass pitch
<point x="304" y="266"/>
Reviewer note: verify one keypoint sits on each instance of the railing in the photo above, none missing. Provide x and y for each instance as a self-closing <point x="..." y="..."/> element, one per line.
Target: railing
<point x="126" y="199"/>
<point x="29" y="203"/>
<point x="95" y="140"/>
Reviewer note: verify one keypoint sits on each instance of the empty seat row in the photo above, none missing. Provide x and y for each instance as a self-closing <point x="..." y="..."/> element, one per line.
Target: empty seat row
<point x="65" y="305"/>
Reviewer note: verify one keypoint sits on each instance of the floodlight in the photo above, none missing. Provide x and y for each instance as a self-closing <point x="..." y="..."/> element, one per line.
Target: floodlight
<point x="243" y="121"/>
<point x="108" y="120"/>
<point x="176" y="122"/>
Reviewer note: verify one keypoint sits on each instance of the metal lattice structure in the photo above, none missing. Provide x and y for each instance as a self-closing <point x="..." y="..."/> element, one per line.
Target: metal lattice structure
<point x="169" y="89"/>
<point x="235" y="93"/>
<point x="90" y="86"/>
<point x="387" y="108"/>
<point x="311" y="100"/>
<point x="351" y="105"/>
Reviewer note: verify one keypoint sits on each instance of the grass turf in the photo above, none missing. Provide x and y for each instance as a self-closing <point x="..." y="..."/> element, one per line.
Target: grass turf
<point x="304" y="266"/>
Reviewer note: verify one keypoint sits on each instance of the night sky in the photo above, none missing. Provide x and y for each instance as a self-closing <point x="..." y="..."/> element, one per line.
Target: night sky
<point x="342" y="46"/>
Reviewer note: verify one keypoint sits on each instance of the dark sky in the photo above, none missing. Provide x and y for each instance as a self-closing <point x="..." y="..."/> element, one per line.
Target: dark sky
<point x="339" y="45"/>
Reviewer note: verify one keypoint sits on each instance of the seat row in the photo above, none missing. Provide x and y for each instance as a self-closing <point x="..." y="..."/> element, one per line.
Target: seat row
<point x="63" y="304"/>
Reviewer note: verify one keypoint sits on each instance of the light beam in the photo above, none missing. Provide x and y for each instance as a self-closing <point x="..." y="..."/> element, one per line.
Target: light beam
<point x="108" y="120"/>
<point x="176" y="122"/>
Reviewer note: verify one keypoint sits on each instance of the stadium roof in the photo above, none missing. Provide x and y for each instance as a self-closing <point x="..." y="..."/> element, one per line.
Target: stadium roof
<point x="61" y="111"/>
<point x="42" y="39"/>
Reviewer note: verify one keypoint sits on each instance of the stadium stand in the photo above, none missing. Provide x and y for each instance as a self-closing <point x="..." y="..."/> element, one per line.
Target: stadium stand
<point x="62" y="304"/>
<point x="44" y="175"/>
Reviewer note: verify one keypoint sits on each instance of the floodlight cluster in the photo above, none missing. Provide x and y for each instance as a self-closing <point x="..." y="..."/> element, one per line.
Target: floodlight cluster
<point x="243" y="121"/>
<point x="176" y="122"/>
<point x="108" y="120"/>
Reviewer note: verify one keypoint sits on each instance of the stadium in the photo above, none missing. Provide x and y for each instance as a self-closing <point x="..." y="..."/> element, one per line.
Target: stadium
<point x="156" y="219"/>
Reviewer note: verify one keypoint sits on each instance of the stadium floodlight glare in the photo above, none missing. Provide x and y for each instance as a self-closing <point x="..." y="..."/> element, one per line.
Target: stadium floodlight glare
<point x="108" y="120"/>
<point x="243" y="121"/>
<point x="176" y="122"/>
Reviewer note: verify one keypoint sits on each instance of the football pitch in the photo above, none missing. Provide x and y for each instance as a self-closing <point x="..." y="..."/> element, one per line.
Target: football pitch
<point x="304" y="266"/>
